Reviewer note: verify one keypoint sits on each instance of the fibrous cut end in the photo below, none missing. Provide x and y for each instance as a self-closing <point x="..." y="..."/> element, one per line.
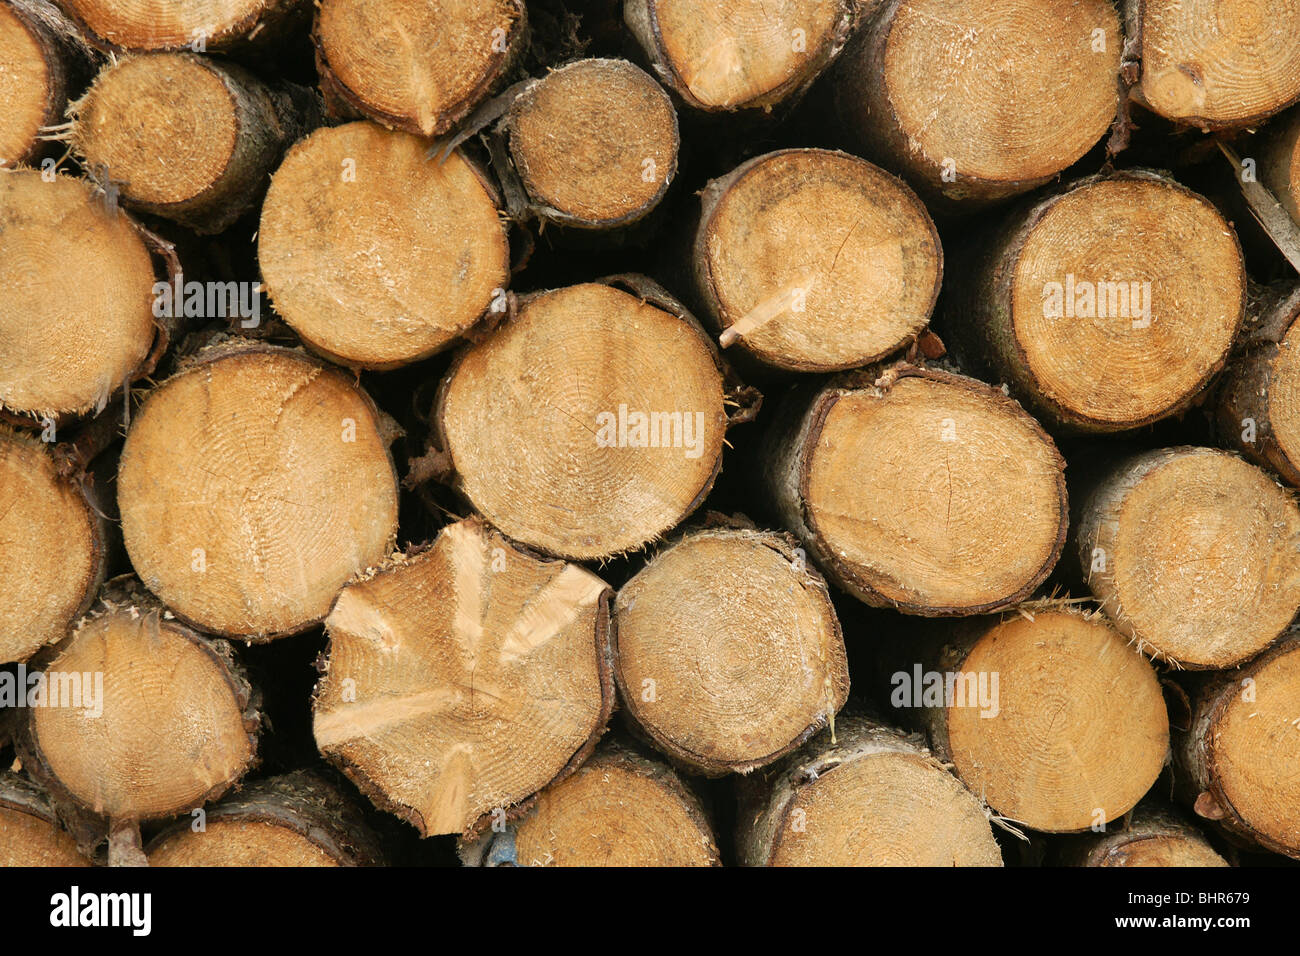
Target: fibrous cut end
<point x="464" y="679"/>
<point x="595" y="142"/>
<point x="25" y="87"/>
<point x="76" y="293"/>
<point x="377" y="255"/>
<point x="239" y="843"/>
<point x="30" y="834"/>
<point x="169" y="24"/>
<point x="1171" y="849"/>
<point x="253" y="485"/>
<point x="1284" y="395"/>
<point x="819" y="261"/>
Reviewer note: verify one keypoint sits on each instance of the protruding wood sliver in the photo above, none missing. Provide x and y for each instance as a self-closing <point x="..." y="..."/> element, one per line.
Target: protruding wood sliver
<point x="199" y="25"/>
<point x="375" y="254"/>
<point x="921" y="490"/>
<point x="591" y="423"/>
<point x="813" y="260"/>
<point x="1156" y="836"/>
<point x="1193" y="553"/>
<point x="727" y="650"/>
<point x="618" y="809"/>
<point x="865" y="795"/>
<point x="977" y="101"/>
<point x="253" y="484"/>
<point x="30" y="834"/>
<point x="743" y="54"/>
<point x="464" y="678"/>
<point x="297" y="819"/>
<point x="415" y="66"/>
<point x="1107" y="305"/>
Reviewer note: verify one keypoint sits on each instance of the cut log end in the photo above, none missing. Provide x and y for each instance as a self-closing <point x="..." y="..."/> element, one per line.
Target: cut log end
<point x="816" y="261"/>
<point x="377" y="255"/>
<point x="177" y="24"/>
<point x="26" y="87"/>
<point x="30" y="834"/>
<point x="465" y="678"/>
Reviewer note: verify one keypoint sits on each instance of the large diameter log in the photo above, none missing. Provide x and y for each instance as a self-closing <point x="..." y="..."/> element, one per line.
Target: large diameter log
<point x="76" y="297"/>
<point x="1048" y="714"/>
<point x="863" y="795"/>
<point x="417" y="67"/>
<point x="812" y="261"/>
<point x="464" y="678"/>
<point x="253" y="484"/>
<point x="1257" y="411"/>
<point x="52" y="548"/>
<point x="594" y="144"/>
<point x="920" y="490"/>
<point x="1193" y="553"/>
<point x="1154" y="836"/>
<point x="1236" y="762"/>
<point x="298" y="819"/>
<point x="975" y="101"/>
<point x="743" y="54"/>
<point x="201" y="25"/>
<point x="185" y="136"/>
<point x="619" y="809"/>
<point x="376" y="255"/>
<point x="30" y="834"/>
<point x="727" y="650"/>
<point x="592" y="422"/>
<point x="143" y="718"/>
<point x="1107" y="305"/>
<point x="41" y="59"/>
<point x="1216" y="63"/>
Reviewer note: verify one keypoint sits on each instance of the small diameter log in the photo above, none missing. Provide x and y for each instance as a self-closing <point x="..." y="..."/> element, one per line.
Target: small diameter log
<point x="974" y="102"/>
<point x="142" y="718"/>
<point x="618" y="809"/>
<point x="863" y="795"/>
<point x="1236" y="765"/>
<point x="1258" y="406"/>
<point x="297" y="819"/>
<point x="184" y="136"/>
<point x="1155" y="836"/>
<point x="42" y="57"/>
<point x="1193" y="554"/>
<point x="253" y="484"/>
<point x="594" y="144"/>
<point x="1278" y="153"/>
<point x="199" y="25"/>
<point x="1048" y="714"/>
<point x="376" y="255"/>
<point x="464" y="678"/>
<point x="920" y="490"/>
<point x="76" y="297"/>
<point x="812" y="261"/>
<point x="417" y="67"/>
<point x="743" y="54"/>
<point x="727" y="651"/>
<point x="1216" y="63"/>
<point x="1107" y="305"/>
<point x="30" y="834"/>
<point x="592" y="422"/>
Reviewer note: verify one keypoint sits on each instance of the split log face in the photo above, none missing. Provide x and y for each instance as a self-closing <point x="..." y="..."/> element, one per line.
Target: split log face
<point x="618" y="809"/>
<point x="464" y="678"/>
<point x="1161" y="260"/>
<point x="1219" y="63"/>
<point x="376" y="255"/>
<point x="744" y="54"/>
<point x="176" y="24"/>
<point x="188" y="138"/>
<point x="1154" y="837"/>
<point x="568" y="469"/>
<point x="866" y="795"/>
<point x="976" y="101"/>
<point x="595" y="143"/>
<point x="920" y="490"/>
<point x="1238" y="761"/>
<point x="728" y="653"/>
<point x="413" y="65"/>
<point x="253" y="485"/>
<point x="1080" y="731"/>
<point x="30" y="834"/>
<point x="812" y="260"/>
<point x="176" y="726"/>
<point x="76" y="294"/>
<point x="1192" y="553"/>
<point x="51" y="549"/>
